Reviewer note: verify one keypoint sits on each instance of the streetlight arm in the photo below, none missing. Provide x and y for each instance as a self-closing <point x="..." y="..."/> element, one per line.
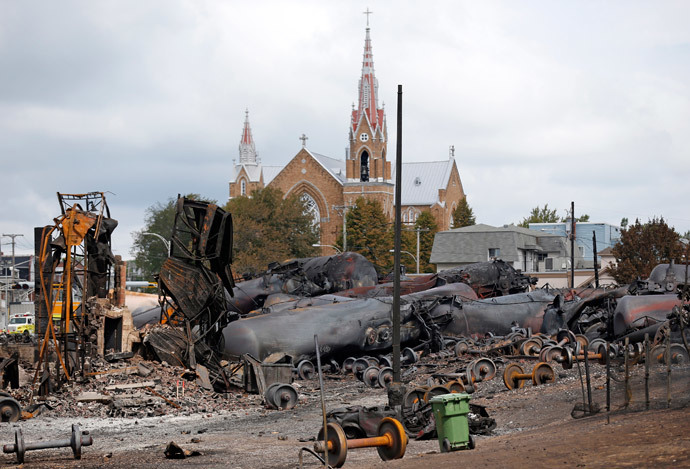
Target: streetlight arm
<point x="406" y="252"/>
<point x="165" y="241"/>
<point x="327" y="246"/>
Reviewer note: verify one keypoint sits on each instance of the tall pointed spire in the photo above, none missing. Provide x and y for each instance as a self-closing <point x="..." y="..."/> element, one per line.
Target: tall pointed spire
<point x="247" y="149"/>
<point x="368" y="88"/>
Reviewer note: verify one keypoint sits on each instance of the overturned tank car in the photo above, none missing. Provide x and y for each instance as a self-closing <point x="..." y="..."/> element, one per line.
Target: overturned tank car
<point x="344" y="325"/>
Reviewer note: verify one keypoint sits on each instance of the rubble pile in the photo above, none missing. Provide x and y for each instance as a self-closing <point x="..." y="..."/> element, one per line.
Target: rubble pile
<point x="134" y="388"/>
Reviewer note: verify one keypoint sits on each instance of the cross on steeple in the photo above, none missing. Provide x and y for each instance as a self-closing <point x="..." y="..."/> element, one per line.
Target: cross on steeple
<point x="368" y="13"/>
<point x="304" y="139"/>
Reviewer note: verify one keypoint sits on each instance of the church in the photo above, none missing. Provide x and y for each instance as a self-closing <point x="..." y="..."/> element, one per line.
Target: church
<point x="330" y="186"/>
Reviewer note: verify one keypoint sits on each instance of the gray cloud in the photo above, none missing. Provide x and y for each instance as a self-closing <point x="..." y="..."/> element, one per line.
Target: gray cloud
<point x="544" y="102"/>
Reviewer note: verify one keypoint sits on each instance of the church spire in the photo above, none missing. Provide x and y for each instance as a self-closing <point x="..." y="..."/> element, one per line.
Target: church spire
<point x="247" y="149"/>
<point x="368" y="88"/>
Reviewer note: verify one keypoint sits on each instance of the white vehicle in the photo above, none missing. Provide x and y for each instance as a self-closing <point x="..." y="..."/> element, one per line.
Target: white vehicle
<point x="21" y="324"/>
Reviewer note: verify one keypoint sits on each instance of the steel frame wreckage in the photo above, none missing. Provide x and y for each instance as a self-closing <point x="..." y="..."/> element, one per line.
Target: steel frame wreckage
<point x="208" y="322"/>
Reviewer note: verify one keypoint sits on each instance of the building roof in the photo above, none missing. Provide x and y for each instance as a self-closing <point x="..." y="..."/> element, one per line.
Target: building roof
<point x="253" y="172"/>
<point x="472" y="243"/>
<point x="335" y="167"/>
<point x="270" y="172"/>
<point x="421" y="181"/>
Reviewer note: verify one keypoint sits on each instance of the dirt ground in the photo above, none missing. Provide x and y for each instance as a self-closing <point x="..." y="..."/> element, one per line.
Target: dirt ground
<point x="534" y="429"/>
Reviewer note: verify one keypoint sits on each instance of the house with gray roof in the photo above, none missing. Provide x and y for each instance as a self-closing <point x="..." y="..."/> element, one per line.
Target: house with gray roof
<point x="525" y="249"/>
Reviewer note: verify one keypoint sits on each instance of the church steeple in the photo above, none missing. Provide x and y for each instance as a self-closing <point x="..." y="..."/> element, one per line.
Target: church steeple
<point x="368" y="89"/>
<point x="247" y="149"/>
<point x="368" y="133"/>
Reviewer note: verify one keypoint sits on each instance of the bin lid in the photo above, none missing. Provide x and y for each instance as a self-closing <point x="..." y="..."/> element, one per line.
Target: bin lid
<point x="454" y="397"/>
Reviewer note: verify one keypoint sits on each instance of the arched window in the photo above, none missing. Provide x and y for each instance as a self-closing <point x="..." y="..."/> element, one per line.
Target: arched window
<point x="364" y="167"/>
<point x="243" y="187"/>
<point x="311" y="208"/>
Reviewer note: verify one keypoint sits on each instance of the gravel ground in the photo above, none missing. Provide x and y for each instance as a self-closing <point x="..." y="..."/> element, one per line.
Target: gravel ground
<point x="239" y="432"/>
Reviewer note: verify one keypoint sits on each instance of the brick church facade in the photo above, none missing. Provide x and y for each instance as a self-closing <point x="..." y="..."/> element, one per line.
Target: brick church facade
<point x="329" y="186"/>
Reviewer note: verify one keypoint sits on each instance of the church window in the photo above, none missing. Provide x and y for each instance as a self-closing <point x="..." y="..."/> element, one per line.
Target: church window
<point x="243" y="187"/>
<point x="311" y="208"/>
<point x="364" y="167"/>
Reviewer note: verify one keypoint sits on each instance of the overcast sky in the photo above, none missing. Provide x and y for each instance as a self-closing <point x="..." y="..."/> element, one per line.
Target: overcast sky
<point x="545" y="102"/>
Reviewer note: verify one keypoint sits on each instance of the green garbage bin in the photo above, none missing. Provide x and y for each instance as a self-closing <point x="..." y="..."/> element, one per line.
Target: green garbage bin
<point x="450" y="413"/>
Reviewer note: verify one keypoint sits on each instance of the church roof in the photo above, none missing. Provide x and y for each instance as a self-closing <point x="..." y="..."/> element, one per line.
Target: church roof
<point x="335" y="167"/>
<point x="253" y="171"/>
<point x="421" y="181"/>
<point x="270" y="172"/>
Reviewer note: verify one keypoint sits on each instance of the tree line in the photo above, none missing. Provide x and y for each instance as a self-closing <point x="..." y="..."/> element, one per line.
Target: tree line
<point x="269" y="227"/>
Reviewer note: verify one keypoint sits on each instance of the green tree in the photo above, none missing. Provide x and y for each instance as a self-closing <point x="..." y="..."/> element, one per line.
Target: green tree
<point x="269" y="228"/>
<point x="149" y="251"/>
<point x="463" y="214"/>
<point x="581" y="218"/>
<point x="427" y="222"/>
<point x="540" y="215"/>
<point x="642" y="247"/>
<point x="624" y="222"/>
<point x="369" y="234"/>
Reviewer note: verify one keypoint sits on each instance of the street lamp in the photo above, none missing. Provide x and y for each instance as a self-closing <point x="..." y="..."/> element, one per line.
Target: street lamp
<point x="327" y="246"/>
<point x="165" y="241"/>
<point x="416" y="260"/>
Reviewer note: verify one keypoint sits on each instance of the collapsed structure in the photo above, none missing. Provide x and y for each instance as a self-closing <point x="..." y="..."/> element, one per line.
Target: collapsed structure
<point x="76" y="319"/>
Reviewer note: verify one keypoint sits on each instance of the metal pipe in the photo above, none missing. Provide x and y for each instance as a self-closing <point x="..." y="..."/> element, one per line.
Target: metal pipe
<point x="589" y="384"/>
<point x="628" y="393"/>
<point x="323" y="399"/>
<point x="608" y="379"/>
<point x="668" y="368"/>
<point x="646" y="371"/>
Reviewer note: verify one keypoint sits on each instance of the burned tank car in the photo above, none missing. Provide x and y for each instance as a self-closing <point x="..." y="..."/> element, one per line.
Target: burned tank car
<point x="306" y="277"/>
<point x="498" y="315"/>
<point x="664" y="278"/>
<point x="343" y="325"/>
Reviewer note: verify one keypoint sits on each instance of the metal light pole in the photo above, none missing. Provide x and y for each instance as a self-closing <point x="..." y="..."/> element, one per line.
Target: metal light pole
<point x="418" y="230"/>
<point x="396" y="263"/>
<point x="344" y="209"/>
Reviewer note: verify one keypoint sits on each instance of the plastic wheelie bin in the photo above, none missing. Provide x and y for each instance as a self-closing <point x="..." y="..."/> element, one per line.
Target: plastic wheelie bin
<point x="450" y="413"/>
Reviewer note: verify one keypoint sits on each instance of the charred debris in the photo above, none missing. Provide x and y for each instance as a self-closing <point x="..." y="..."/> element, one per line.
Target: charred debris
<point x="217" y="335"/>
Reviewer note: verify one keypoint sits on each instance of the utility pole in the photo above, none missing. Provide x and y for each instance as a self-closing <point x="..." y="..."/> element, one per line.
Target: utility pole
<point x="12" y="235"/>
<point x="396" y="279"/>
<point x="344" y="210"/>
<point x="572" y="244"/>
<point x="596" y="265"/>
<point x="7" y="285"/>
